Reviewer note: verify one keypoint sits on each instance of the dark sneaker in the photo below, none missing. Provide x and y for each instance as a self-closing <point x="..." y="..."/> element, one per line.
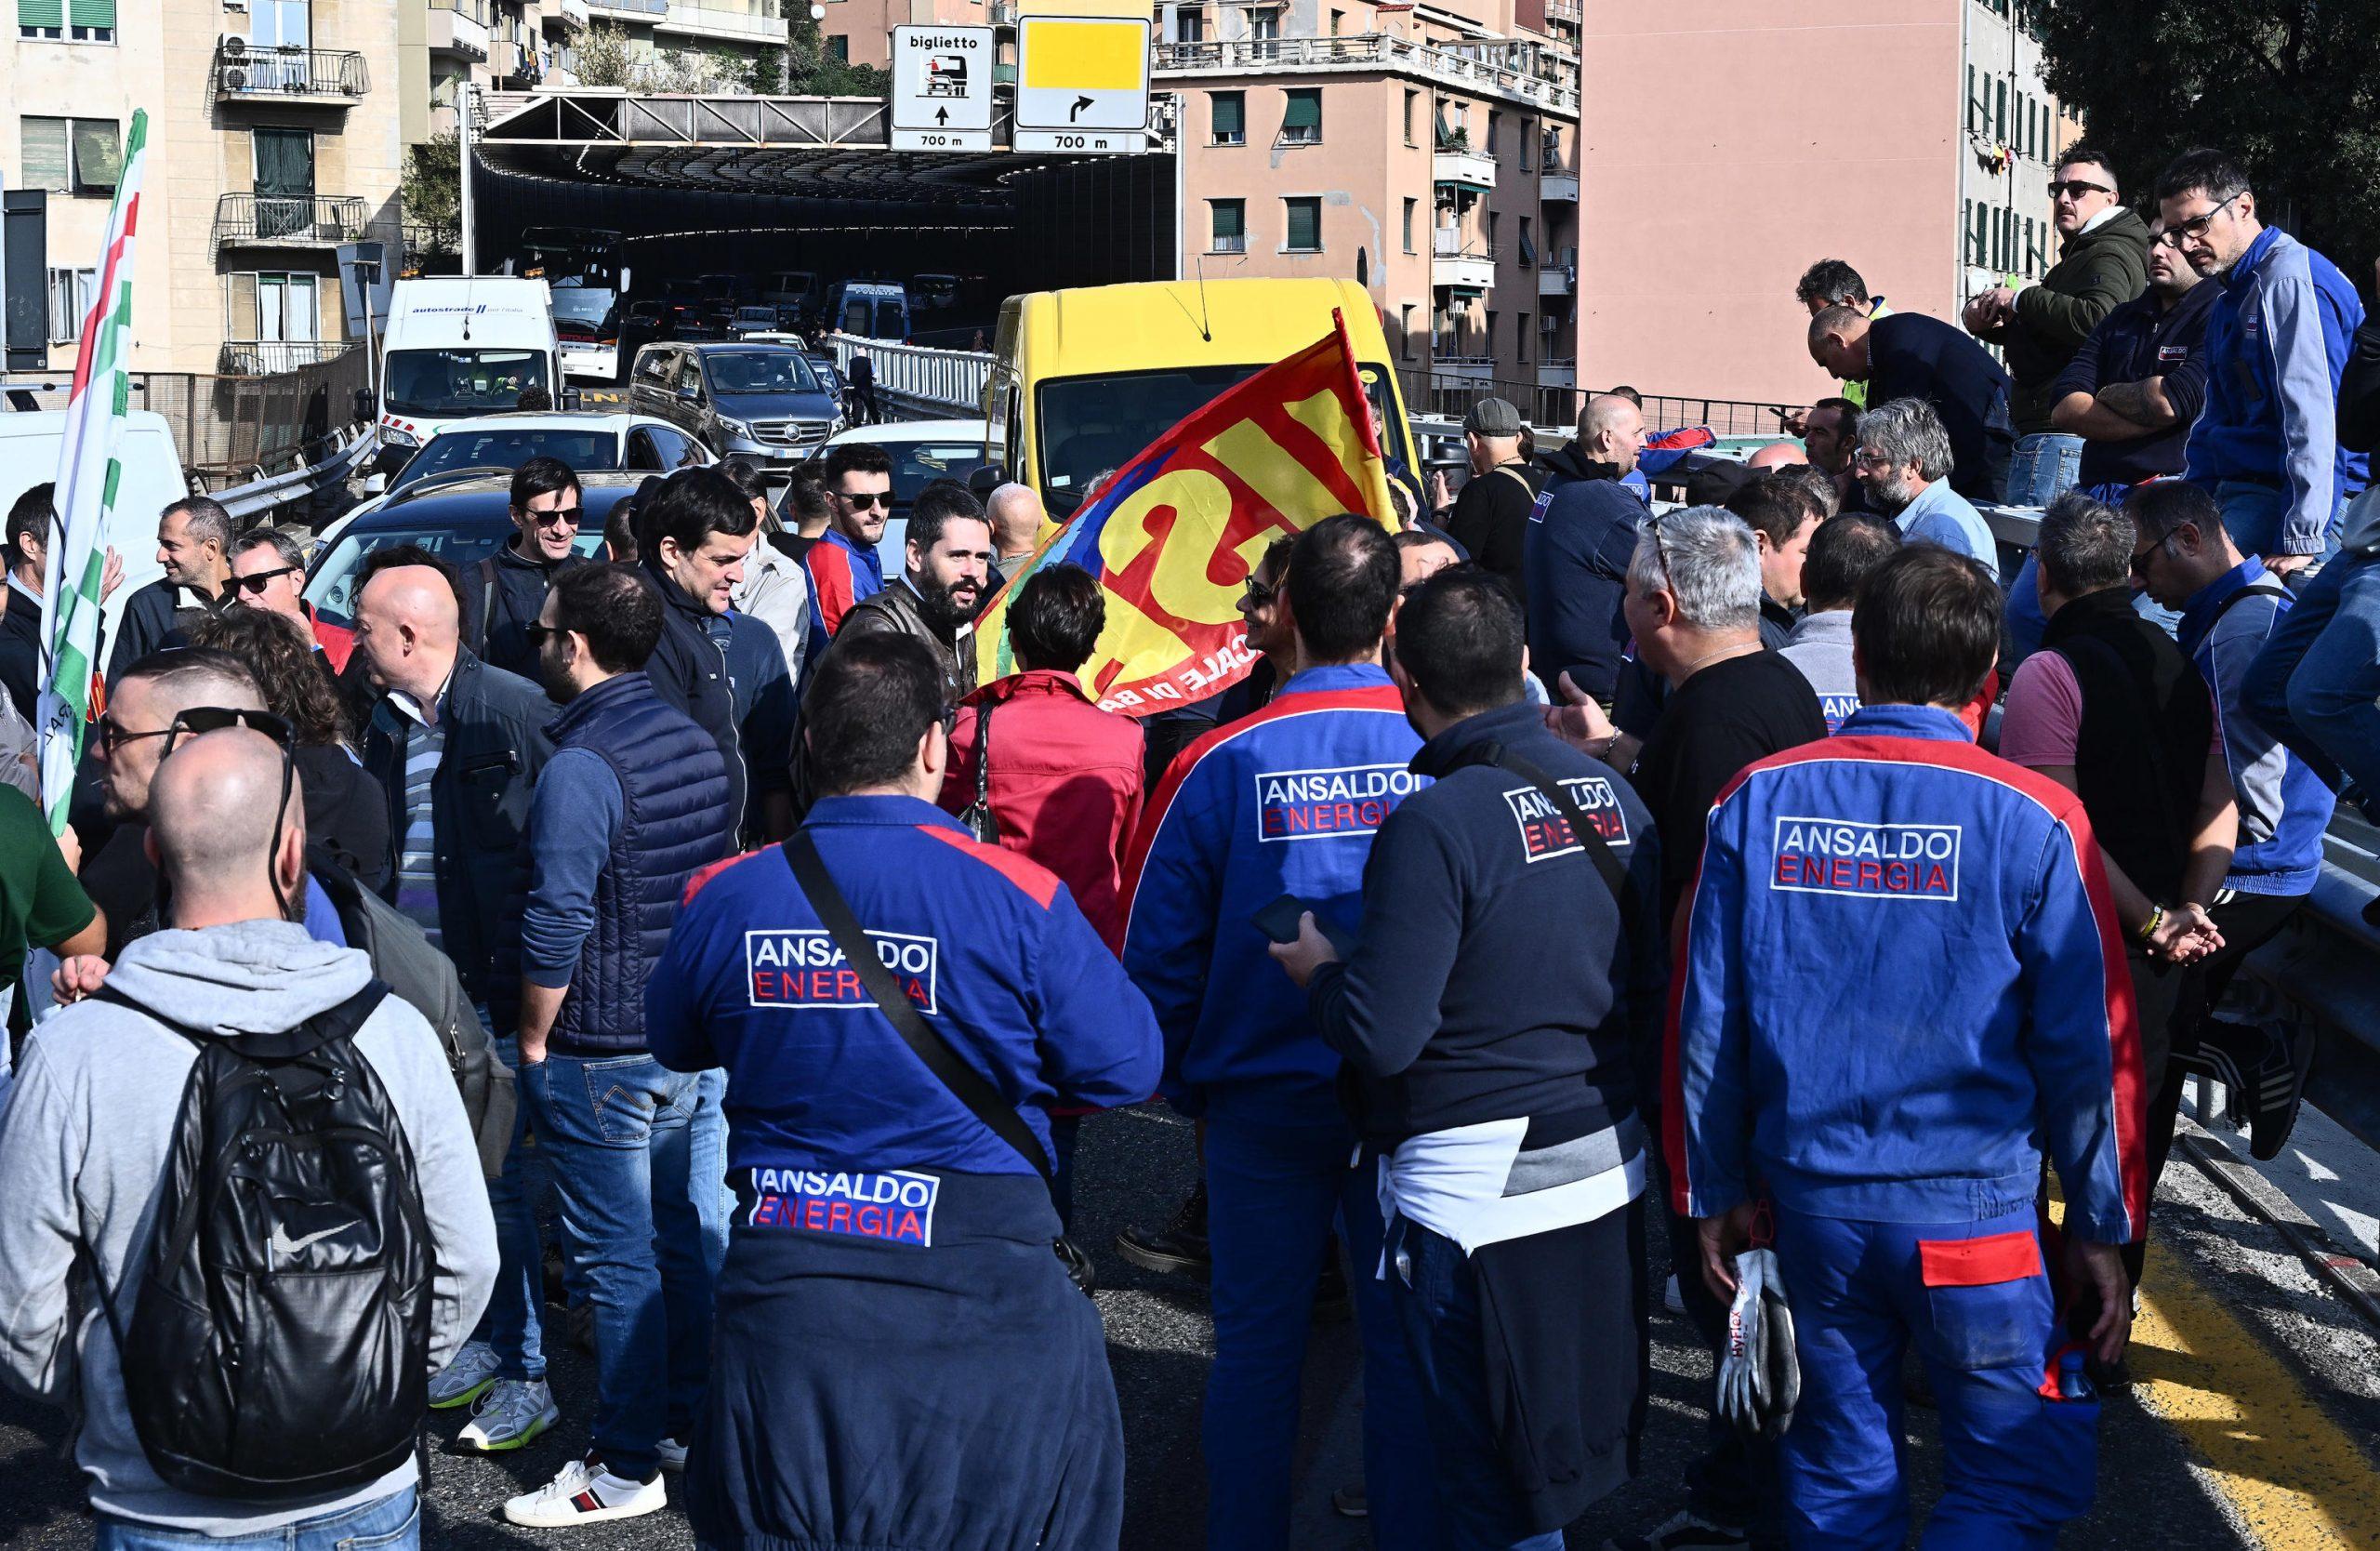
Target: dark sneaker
<point x="2277" y="1086"/>
<point x="1177" y="1250"/>
<point x="1684" y="1531"/>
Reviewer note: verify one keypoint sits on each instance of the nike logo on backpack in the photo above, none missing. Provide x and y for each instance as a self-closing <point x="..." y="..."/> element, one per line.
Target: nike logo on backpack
<point x="285" y="1246"/>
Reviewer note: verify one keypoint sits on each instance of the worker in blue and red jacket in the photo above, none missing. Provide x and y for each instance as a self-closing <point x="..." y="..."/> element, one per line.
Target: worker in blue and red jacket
<point x="843" y="566"/>
<point x="1900" y="979"/>
<point x="901" y="1360"/>
<point x="1284" y="801"/>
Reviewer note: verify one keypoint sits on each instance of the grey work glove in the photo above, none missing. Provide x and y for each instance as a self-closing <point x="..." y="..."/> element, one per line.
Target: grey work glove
<point x="1760" y="1375"/>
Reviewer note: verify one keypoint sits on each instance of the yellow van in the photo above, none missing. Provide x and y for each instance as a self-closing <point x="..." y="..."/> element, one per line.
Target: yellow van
<point x="1087" y="378"/>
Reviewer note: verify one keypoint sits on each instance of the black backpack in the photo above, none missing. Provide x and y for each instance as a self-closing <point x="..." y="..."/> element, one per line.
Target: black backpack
<point x="279" y="1342"/>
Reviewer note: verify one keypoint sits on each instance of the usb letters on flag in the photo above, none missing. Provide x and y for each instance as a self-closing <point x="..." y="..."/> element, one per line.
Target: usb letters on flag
<point x="1174" y="533"/>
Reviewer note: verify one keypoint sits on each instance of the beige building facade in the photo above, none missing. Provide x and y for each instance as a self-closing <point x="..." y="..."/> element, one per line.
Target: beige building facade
<point x="272" y="142"/>
<point x="1727" y="146"/>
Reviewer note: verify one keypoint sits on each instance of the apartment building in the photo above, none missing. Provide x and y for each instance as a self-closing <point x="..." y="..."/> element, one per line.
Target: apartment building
<point x="860" y="32"/>
<point x="1726" y="146"/>
<point x="1426" y="151"/>
<point x="272" y="142"/>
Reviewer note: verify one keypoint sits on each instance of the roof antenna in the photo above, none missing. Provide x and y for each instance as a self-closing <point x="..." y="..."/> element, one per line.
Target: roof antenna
<point x="1206" y="329"/>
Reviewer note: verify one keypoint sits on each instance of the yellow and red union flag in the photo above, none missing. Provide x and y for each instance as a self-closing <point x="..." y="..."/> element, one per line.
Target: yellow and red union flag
<point x="1174" y="533"/>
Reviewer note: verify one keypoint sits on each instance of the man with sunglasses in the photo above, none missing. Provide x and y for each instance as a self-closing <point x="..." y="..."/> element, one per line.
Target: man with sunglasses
<point x="502" y="594"/>
<point x="2267" y="442"/>
<point x="2040" y="325"/>
<point x="268" y="573"/>
<point x="843" y="565"/>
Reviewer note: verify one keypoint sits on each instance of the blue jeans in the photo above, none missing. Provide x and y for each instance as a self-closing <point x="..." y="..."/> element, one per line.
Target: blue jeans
<point x="393" y="1523"/>
<point x="2044" y="466"/>
<point x="511" y="1324"/>
<point x="1272" y="1193"/>
<point x="2255" y="514"/>
<point x="2315" y="683"/>
<point x="638" y="1161"/>
<point x="2015" y="1465"/>
<point x="1436" y="1294"/>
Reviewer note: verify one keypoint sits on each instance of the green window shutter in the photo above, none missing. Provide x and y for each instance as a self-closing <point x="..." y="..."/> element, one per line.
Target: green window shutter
<point x="41" y="13"/>
<point x="1231" y="218"/>
<point x="1305" y="111"/>
<point x="91" y="13"/>
<point x="1305" y="225"/>
<point x="99" y="154"/>
<point x="1231" y="115"/>
<point x="45" y="155"/>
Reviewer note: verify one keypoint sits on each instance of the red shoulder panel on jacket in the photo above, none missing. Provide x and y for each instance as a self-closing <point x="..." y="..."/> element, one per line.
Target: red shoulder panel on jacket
<point x="1038" y="882"/>
<point x="694" y="884"/>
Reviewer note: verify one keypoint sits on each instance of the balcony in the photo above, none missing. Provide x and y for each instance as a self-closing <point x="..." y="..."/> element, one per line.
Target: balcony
<point x="645" y="12"/>
<point x="331" y="77"/>
<point x="1558" y="277"/>
<point x="1513" y="71"/>
<point x="1003" y="13"/>
<point x="729" y="24"/>
<point x="1563" y="10"/>
<point x="563" y="15"/>
<point x="1461" y="266"/>
<point x="1558" y="371"/>
<point x="1463" y="168"/>
<point x="279" y="220"/>
<point x="457" y="30"/>
<point x="1559" y="182"/>
<point x="1447" y="366"/>
<point x="265" y="357"/>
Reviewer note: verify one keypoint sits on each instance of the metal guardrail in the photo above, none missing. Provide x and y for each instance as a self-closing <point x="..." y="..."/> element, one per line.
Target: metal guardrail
<point x="949" y="381"/>
<point x="319" y="220"/>
<point x="267" y="75"/>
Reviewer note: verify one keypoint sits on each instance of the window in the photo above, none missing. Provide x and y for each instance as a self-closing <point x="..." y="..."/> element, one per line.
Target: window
<point x="1520" y="339"/>
<point x="70" y="301"/>
<point x="67" y="20"/>
<point x="71" y="155"/>
<point x="2028" y="245"/>
<point x="285" y="182"/>
<point x="1974" y="224"/>
<point x="1228" y="220"/>
<point x="1490" y="349"/>
<point x="1412" y="101"/>
<point x="839" y="48"/>
<point x="1301" y="117"/>
<point x="1337" y="20"/>
<point x="1974" y="108"/>
<point x="1494" y="128"/>
<point x="1230" y="117"/>
<point x="1303" y="230"/>
<point x="1528" y="250"/>
<point x="280" y="24"/>
<point x="2002" y="133"/>
<point x="1520" y="151"/>
<point x="1412" y="206"/>
<point x="272" y="307"/>
<point x="1264" y="25"/>
<point x="1189" y="25"/>
<point x="1405" y="324"/>
<point x="1494" y="220"/>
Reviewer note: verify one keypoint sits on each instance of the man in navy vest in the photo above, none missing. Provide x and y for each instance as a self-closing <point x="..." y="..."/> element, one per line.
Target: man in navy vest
<point x="633" y="803"/>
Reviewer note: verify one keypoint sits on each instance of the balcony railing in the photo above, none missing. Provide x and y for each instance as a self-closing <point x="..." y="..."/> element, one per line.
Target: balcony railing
<point x="1374" y="51"/>
<point x="1563" y="10"/>
<point x="709" y="22"/>
<point x="281" y="220"/>
<point x="242" y="73"/>
<point x="264" y="357"/>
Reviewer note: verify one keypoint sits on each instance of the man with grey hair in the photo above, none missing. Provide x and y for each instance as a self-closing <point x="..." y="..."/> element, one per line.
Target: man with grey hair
<point x="194" y="546"/>
<point x="1903" y="462"/>
<point x="1016" y="517"/>
<point x="269" y="572"/>
<point x="1693" y="606"/>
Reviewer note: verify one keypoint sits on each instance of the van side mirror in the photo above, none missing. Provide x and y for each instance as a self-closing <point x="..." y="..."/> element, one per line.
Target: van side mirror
<point x="571" y="399"/>
<point x="367" y="405"/>
<point x="984" y="481"/>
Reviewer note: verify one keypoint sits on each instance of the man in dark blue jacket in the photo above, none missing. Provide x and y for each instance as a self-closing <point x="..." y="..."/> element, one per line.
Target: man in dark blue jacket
<point x="1507" y="978"/>
<point x="901" y="1359"/>
<point x="194" y="546"/>
<point x="1286" y="801"/>
<point x="632" y="804"/>
<point x="1581" y="532"/>
<point x="502" y="594"/>
<point x="1909" y="355"/>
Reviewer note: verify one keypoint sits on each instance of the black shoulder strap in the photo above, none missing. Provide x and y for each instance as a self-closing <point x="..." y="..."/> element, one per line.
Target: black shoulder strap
<point x="2262" y="588"/>
<point x="983" y="757"/>
<point x="1598" y="850"/>
<point x="964" y="1082"/>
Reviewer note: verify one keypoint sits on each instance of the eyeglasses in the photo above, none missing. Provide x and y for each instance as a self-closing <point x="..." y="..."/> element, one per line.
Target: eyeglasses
<point x="1258" y="595"/>
<point x="1661" y="547"/>
<point x="199" y="720"/>
<point x="558" y="517"/>
<point x="2140" y="559"/>
<point x="2173" y="236"/>
<point x="540" y="634"/>
<point x="254" y="583"/>
<point x="1869" y="457"/>
<point x="2074" y="187"/>
<point x="865" y="499"/>
<point x="113" y="737"/>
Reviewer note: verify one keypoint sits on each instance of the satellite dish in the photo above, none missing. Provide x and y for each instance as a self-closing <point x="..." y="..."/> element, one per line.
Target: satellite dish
<point x="817" y="13"/>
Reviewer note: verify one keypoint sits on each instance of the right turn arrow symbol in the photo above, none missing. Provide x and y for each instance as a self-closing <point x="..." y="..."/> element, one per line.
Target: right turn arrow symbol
<point x="1076" y="112"/>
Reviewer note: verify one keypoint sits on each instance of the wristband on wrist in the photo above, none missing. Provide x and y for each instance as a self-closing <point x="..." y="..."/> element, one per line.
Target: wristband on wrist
<point x="2149" y="928"/>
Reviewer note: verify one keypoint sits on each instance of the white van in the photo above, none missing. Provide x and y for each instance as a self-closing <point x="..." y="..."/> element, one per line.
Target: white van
<point x="461" y="346"/>
<point x="152" y="481"/>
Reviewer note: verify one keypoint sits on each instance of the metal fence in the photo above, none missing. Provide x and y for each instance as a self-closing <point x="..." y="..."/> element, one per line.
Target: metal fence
<point x="297" y="219"/>
<point x="252" y="72"/>
<point x="949" y="381"/>
<point x="231" y="429"/>
<point x="1453" y="393"/>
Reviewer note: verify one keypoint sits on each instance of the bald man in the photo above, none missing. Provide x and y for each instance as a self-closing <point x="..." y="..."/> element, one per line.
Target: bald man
<point x="1909" y="355"/>
<point x="1016" y="517"/>
<point x="1581" y="532"/>
<point x="1776" y="455"/>
<point x="92" y="1124"/>
<point x="458" y="745"/>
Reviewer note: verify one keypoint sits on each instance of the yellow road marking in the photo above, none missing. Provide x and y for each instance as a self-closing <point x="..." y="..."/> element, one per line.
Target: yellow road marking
<point x="2295" y="1477"/>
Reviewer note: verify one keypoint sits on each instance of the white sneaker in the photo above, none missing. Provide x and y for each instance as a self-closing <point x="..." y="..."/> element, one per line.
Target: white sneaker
<point x="673" y="1455"/>
<point x="508" y="1415"/>
<point x="584" y="1493"/>
<point x="465" y="1379"/>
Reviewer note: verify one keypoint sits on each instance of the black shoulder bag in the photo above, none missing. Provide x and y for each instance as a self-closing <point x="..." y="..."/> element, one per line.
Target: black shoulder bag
<point x="968" y="1085"/>
<point x="979" y="816"/>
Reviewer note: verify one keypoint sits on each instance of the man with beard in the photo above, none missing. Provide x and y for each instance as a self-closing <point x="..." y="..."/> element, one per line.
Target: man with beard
<point x="633" y="802"/>
<point x="194" y="546"/>
<point x="948" y="560"/>
<point x="1904" y="463"/>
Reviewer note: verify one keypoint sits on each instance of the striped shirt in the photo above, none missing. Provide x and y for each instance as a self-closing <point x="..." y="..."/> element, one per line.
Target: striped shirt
<point x="417" y="850"/>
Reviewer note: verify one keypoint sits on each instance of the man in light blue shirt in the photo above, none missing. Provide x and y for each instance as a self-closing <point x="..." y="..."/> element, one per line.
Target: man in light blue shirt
<point x="1903" y="461"/>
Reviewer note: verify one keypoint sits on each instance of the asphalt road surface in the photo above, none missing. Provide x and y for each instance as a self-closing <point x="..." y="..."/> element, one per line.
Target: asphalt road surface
<point x="2253" y="1425"/>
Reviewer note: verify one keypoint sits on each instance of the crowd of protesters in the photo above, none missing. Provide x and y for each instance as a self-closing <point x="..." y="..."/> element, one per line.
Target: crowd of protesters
<point x="1784" y="853"/>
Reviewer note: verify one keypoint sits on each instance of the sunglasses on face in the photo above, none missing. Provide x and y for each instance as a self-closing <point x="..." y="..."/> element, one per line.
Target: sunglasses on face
<point x="868" y="498"/>
<point x="254" y="582"/>
<point x="540" y="634"/>
<point x="199" y="720"/>
<point x="560" y="516"/>
<point x="1258" y="595"/>
<point x="2074" y="187"/>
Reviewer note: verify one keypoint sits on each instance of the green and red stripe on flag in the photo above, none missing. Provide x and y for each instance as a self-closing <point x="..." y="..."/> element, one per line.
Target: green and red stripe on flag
<point x="90" y="471"/>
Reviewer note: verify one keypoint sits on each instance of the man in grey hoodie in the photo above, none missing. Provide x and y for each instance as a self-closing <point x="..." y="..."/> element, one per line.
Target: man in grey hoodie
<point x="85" y="1139"/>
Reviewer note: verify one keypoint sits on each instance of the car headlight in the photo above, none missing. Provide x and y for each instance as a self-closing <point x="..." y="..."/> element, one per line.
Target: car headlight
<point x="834" y="426"/>
<point x="391" y="437"/>
<point x="733" y="428"/>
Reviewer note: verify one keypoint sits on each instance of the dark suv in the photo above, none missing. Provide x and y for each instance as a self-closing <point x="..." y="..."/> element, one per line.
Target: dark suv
<point x="758" y="401"/>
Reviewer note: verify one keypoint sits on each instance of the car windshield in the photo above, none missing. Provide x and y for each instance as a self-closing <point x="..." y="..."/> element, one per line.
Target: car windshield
<point x="487" y="445"/>
<point x="918" y="464"/>
<point x="1092" y="424"/>
<point x="758" y="371"/>
<point x="446" y="383"/>
<point x="586" y="312"/>
<point x="331" y="587"/>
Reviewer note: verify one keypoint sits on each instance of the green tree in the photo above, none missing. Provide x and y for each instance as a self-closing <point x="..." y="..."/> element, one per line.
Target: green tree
<point x="431" y="191"/>
<point x="812" y="71"/>
<point x="2290" y="88"/>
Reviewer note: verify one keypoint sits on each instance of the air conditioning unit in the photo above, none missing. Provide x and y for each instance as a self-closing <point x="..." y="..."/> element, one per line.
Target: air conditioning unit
<point x="233" y="44"/>
<point x="235" y="78"/>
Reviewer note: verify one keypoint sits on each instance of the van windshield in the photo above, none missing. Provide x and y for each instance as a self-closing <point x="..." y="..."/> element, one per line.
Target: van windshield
<point x="445" y="383"/>
<point x="1092" y="424"/>
<point x="758" y="371"/>
<point x="584" y="312"/>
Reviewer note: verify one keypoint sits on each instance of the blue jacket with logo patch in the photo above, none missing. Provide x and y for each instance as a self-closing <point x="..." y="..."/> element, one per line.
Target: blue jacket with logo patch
<point x="1901" y="975"/>
<point x="1286" y="801"/>
<point x="989" y="947"/>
